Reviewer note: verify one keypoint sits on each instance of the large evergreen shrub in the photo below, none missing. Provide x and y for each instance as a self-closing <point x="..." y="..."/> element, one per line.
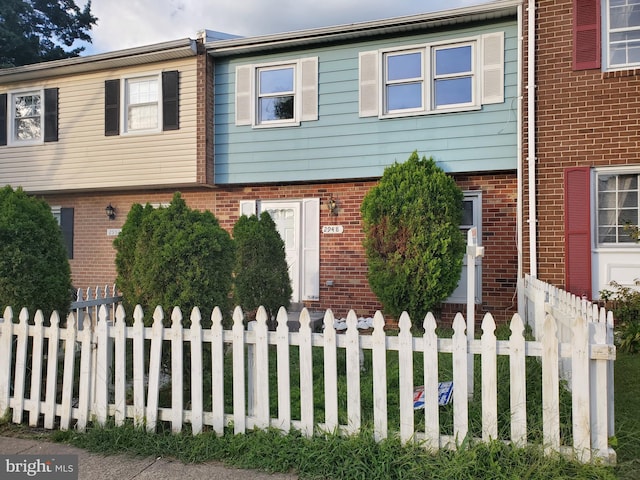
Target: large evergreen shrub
<point x="261" y="273"/>
<point x="413" y="242"/>
<point x="34" y="269"/>
<point x="174" y="256"/>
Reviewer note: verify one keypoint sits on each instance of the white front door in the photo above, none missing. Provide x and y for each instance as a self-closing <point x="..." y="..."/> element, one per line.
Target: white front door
<point x="286" y="216"/>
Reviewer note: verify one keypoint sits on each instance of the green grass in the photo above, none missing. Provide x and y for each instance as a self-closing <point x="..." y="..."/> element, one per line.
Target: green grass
<point x="627" y="408"/>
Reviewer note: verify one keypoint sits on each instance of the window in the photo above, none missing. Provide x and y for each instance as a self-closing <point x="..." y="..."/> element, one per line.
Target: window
<point x="431" y="78"/>
<point x="64" y="217"/>
<point x="29" y="117"/>
<point x="617" y="207"/>
<point x="150" y="104"/>
<point x="623" y="35"/>
<point x="277" y="94"/>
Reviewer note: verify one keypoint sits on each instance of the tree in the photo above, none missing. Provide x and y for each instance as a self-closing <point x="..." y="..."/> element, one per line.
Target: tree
<point x="34" y="269"/>
<point x="174" y="256"/>
<point x="261" y="273"/>
<point x="413" y="242"/>
<point x="33" y="31"/>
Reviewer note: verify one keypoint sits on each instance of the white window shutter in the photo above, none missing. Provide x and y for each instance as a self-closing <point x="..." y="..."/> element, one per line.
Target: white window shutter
<point x="492" y="68"/>
<point x="247" y="207"/>
<point x="311" y="249"/>
<point x="309" y="88"/>
<point x="368" y="91"/>
<point x="243" y="94"/>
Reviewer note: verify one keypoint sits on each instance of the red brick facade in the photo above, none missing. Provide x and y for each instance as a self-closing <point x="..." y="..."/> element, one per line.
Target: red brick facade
<point x="342" y="257"/>
<point x="584" y="118"/>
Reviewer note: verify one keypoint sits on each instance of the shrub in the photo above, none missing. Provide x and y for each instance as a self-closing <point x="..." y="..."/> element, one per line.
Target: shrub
<point x="34" y="270"/>
<point x="261" y="273"/>
<point x="413" y="242"/>
<point x="625" y="304"/>
<point x="174" y="256"/>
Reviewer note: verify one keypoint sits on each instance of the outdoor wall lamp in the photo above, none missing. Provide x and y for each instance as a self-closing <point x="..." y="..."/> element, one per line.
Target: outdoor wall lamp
<point x="111" y="212"/>
<point x="332" y="205"/>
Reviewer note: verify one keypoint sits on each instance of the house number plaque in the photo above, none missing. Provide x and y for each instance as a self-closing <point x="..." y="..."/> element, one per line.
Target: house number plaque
<point x="332" y="229"/>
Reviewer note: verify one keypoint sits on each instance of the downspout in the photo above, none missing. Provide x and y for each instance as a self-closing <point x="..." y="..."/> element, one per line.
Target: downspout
<point x="520" y="169"/>
<point x="531" y="137"/>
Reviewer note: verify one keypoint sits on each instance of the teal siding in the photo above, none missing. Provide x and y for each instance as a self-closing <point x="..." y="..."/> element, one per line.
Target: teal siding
<point x="341" y="145"/>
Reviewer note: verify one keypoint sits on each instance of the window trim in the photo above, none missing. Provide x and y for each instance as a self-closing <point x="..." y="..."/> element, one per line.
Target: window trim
<point x="124" y="95"/>
<point x="607" y="40"/>
<point x="11" y="140"/>
<point x="428" y="75"/>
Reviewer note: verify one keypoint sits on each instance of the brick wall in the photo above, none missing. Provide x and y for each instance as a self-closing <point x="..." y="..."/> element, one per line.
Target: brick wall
<point x="341" y="255"/>
<point x="584" y="118"/>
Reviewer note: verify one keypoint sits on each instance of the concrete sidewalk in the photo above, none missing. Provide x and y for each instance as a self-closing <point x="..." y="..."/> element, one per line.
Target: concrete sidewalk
<point x="93" y="466"/>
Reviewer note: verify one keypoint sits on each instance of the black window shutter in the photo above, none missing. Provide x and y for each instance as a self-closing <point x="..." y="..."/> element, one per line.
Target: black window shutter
<point x="66" y="225"/>
<point x="170" y="100"/>
<point x="51" y="115"/>
<point x="112" y="107"/>
<point x="3" y="119"/>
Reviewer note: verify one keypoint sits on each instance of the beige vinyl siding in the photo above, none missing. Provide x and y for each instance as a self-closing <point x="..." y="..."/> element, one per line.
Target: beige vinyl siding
<point x="84" y="158"/>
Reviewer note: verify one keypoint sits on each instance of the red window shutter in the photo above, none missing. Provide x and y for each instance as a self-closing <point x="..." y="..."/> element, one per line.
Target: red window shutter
<point x="577" y="230"/>
<point x="586" y="34"/>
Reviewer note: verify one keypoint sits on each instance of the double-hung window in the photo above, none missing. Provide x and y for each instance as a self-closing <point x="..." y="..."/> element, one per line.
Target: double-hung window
<point x="278" y="94"/>
<point x="434" y="77"/>
<point x="27" y="112"/>
<point x="617" y="206"/>
<point x="142" y="112"/>
<point x="623" y="32"/>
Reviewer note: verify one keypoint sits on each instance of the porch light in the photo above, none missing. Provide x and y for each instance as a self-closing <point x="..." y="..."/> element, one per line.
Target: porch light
<point x="111" y="212"/>
<point x="332" y="205"/>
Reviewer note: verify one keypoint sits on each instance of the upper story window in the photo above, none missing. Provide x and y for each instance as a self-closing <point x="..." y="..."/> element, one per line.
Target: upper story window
<point x="141" y="112"/>
<point x="429" y="78"/>
<point x="277" y="94"/>
<point x="29" y="117"/>
<point x="623" y="35"/>
<point x="144" y="104"/>
<point x="617" y="206"/>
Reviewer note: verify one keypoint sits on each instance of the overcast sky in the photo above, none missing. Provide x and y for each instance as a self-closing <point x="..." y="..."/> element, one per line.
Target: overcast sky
<point x="132" y="23"/>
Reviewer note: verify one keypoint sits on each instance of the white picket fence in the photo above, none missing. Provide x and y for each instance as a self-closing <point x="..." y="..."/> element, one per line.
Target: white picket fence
<point x="90" y="300"/>
<point x="88" y="390"/>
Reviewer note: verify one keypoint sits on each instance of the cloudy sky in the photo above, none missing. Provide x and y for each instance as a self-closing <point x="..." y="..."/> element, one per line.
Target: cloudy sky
<point x="132" y="23"/>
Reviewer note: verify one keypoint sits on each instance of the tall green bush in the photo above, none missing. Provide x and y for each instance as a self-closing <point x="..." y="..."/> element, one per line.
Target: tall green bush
<point x="34" y="269"/>
<point x="261" y="273"/>
<point x="174" y="256"/>
<point x="413" y="242"/>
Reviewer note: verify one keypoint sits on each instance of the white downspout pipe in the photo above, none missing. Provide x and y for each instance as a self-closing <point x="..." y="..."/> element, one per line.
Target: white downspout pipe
<point x="520" y="170"/>
<point x="531" y="137"/>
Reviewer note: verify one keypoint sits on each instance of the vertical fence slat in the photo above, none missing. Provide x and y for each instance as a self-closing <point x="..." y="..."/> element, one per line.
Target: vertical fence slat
<point x="405" y="364"/>
<point x="120" y="373"/>
<point x="6" y="347"/>
<point x="518" y="382"/>
<point x="22" y="334"/>
<point x="85" y="381"/>
<point x="36" y="368"/>
<point x="580" y="391"/>
<point x="431" y="367"/>
<point x="610" y="375"/>
<point x="353" y="372"/>
<point x="138" y="366"/>
<point x="460" y="391"/>
<point x="489" y="380"/>
<point x="239" y="412"/>
<point x="217" y="371"/>
<point x="599" y="395"/>
<point x="177" y="370"/>
<point x="306" y="375"/>
<point x="262" y="369"/>
<point x="330" y="374"/>
<point x="550" y="387"/>
<point x="68" y="371"/>
<point x="379" y="373"/>
<point x="102" y="367"/>
<point x="283" y="367"/>
<point x="195" y="340"/>
<point x="155" y="366"/>
<point x="52" y="371"/>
